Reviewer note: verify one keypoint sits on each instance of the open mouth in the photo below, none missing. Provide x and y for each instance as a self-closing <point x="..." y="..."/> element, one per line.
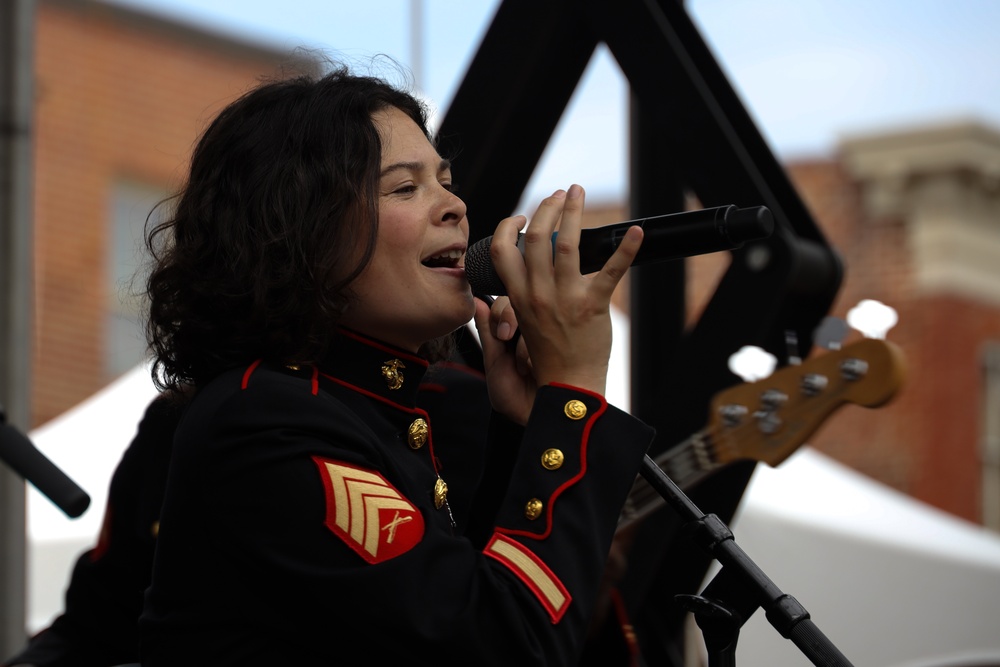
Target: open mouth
<point x="448" y="259"/>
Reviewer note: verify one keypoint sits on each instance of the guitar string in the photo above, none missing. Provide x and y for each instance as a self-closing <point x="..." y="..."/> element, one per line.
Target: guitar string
<point x="684" y="465"/>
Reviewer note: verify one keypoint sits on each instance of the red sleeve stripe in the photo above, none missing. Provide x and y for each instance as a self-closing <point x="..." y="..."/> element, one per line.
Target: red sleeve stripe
<point x="535" y="574"/>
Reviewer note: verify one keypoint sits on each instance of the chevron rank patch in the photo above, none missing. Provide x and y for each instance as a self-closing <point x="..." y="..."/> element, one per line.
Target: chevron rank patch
<point x="368" y="513"/>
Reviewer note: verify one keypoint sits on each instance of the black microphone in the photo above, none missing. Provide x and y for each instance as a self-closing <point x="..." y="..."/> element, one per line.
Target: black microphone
<point x="667" y="237"/>
<point x="33" y="466"/>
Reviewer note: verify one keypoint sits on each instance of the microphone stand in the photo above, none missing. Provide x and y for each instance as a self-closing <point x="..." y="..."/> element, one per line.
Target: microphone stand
<point x="17" y="451"/>
<point x="738" y="589"/>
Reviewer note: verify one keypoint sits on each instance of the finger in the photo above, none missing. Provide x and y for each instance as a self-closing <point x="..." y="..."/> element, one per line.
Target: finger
<point x="505" y="255"/>
<point x="538" y="238"/>
<point x="493" y="348"/>
<point x="522" y="359"/>
<point x="503" y="319"/>
<point x="506" y="232"/>
<point x="567" y="248"/>
<point x="614" y="269"/>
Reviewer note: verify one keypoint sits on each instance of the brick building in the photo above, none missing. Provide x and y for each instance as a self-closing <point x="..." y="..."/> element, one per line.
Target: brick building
<point x="121" y="97"/>
<point x="915" y="215"/>
<point x="926" y="239"/>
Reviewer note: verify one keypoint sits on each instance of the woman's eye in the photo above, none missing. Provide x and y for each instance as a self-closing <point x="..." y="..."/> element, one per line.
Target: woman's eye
<point x="450" y="187"/>
<point x="405" y="189"/>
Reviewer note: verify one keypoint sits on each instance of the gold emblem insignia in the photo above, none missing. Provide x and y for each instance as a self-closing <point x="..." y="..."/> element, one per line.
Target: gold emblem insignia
<point x="393" y="376"/>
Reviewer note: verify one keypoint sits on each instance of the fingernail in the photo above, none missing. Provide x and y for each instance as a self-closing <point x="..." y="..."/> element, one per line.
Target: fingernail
<point x="559" y="194"/>
<point x="503" y="331"/>
<point x="575" y="191"/>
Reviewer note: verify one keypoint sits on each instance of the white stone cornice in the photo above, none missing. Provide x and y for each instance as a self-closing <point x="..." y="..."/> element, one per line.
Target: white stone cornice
<point x="961" y="146"/>
<point x="943" y="184"/>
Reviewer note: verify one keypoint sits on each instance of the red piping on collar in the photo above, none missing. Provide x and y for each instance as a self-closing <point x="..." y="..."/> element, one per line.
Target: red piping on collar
<point x="249" y="371"/>
<point x="385" y="348"/>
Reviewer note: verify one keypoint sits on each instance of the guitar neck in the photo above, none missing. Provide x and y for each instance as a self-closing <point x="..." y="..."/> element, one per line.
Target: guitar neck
<point x="686" y="464"/>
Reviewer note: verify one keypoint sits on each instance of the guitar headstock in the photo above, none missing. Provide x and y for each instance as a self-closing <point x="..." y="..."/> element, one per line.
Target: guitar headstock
<point x="769" y="419"/>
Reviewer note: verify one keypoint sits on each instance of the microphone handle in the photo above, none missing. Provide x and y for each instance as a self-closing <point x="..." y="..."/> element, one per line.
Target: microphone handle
<point x="18" y="452"/>
<point x="678" y="235"/>
<point x="666" y="237"/>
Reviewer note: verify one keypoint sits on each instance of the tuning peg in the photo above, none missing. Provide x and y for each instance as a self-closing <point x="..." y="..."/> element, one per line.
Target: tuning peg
<point x="792" y="344"/>
<point x="831" y="333"/>
<point x="872" y="318"/>
<point x="752" y="363"/>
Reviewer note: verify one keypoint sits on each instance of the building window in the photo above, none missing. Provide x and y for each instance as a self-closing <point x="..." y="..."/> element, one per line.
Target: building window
<point x="990" y="436"/>
<point x="132" y="203"/>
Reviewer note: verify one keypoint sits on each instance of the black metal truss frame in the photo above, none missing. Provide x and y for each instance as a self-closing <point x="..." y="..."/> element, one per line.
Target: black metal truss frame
<point x="690" y="134"/>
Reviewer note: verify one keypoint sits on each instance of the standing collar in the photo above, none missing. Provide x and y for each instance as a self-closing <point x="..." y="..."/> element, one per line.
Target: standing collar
<point x="374" y="367"/>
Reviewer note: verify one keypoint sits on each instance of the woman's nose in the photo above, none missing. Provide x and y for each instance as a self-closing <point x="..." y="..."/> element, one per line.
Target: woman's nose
<point x="454" y="209"/>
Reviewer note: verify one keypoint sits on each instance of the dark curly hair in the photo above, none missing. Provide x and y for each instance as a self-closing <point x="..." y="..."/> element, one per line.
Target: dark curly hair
<point x="278" y="216"/>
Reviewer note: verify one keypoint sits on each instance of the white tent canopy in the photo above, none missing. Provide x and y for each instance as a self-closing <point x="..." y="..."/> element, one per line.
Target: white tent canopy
<point x="86" y="443"/>
<point x="892" y="582"/>
<point x="889" y="580"/>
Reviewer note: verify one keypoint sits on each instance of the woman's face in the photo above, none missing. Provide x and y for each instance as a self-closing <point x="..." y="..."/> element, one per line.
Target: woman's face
<point x="414" y="289"/>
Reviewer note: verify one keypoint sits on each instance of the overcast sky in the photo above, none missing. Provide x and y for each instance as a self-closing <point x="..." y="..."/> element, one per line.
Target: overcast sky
<point x="810" y="71"/>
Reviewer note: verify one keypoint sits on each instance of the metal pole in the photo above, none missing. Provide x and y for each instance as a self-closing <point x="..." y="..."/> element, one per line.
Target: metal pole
<point x="417" y="44"/>
<point x="17" y="26"/>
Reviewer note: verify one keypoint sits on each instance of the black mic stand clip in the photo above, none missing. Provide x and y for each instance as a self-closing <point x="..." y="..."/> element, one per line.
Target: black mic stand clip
<point x="738" y="589"/>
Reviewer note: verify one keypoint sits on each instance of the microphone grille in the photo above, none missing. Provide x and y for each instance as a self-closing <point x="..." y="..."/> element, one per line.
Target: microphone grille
<point x="480" y="272"/>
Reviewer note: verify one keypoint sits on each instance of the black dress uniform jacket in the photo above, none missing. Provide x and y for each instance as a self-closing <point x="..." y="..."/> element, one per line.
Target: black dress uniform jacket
<point x="307" y="522"/>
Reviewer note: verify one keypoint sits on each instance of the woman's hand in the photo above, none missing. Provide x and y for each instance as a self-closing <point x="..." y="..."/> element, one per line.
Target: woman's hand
<point x="511" y="384"/>
<point x="564" y="317"/>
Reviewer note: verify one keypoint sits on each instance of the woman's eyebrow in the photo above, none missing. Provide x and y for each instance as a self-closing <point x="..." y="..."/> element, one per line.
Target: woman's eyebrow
<point x="443" y="166"/>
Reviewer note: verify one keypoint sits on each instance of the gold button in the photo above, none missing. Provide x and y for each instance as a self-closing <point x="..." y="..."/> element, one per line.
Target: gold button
<point x="575" y="409"/>
<point x="533" y="509"/>
<point x="552" y="459"/>
<point x="440" y="493"/>
<point x="416" y="436"/>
